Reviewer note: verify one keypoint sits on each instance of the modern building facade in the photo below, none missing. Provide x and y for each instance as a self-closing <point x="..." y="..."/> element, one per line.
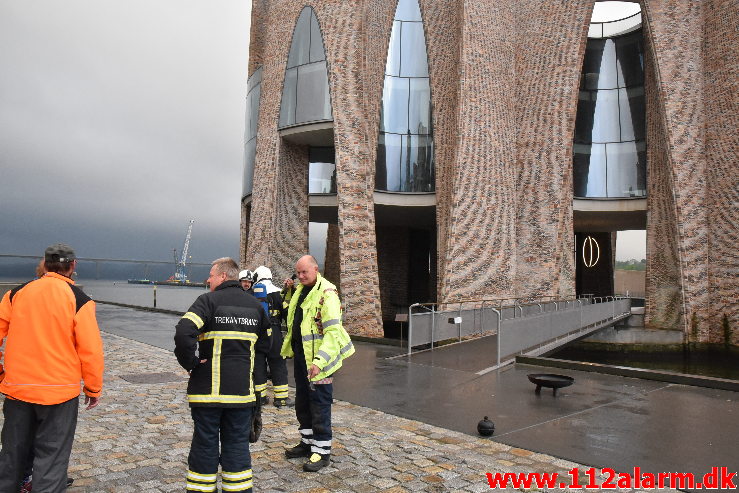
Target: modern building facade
<point x="464" y="150"/>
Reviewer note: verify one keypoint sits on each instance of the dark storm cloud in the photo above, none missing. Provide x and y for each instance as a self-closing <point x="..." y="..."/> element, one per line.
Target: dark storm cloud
<point x="119" y="122"/>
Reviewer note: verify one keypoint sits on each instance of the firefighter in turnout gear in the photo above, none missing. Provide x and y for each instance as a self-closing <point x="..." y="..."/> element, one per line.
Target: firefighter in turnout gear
<point x="270" y="297"/>
<point x="319" y="343"/>
<point x="228" y="328"/>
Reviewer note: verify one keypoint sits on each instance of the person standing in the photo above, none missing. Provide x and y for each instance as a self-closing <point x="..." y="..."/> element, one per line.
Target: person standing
<point x="269" y="295"/>
<point x="215" y="341"/>
<point x="52" y="342"/>
<point x="246" y="278"/>
<point x="319" y="343"/>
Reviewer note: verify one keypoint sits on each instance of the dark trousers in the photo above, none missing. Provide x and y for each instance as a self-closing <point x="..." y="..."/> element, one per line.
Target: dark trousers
<point x="313" y="409"/>
<point x="230" y="427"/>
<point x="277" y="367"/>
<point x="49" y="430"/>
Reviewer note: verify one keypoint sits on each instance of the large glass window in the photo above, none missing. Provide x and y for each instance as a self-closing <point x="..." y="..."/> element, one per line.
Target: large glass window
<point x="322" y="171"/>
<point x="405" y="147"/>
<point x="305" y="93"/>
<point x="253" y="93"/>
<point x="609" y="155"/>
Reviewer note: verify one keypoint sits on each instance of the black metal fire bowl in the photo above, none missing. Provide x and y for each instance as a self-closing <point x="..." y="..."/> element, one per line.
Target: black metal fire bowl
<point x="550" y="381"/>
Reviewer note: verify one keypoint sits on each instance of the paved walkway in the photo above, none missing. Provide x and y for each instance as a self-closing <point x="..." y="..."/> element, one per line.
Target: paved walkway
<point x="138" y="438"/>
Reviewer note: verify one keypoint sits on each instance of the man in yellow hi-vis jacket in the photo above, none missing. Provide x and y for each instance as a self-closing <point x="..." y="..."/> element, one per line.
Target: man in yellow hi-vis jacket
<point x="319" y="343"/>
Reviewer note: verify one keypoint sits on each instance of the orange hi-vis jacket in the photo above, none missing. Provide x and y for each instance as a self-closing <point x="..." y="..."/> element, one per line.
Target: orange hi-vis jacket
<point x="53" y="342"/>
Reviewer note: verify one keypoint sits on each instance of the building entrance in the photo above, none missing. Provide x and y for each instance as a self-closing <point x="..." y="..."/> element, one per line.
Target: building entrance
<point x="594" y="264"/>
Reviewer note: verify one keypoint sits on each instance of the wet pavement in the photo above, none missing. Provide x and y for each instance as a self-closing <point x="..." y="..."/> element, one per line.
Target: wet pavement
<point x="400" y="424"/>
<point x="601" y="420"/>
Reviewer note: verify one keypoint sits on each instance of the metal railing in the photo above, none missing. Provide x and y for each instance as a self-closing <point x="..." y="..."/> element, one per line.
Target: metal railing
<point x="520" y="323"/>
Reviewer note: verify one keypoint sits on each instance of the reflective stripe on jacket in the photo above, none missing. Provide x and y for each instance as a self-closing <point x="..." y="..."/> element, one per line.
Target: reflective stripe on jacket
<point x="225" y="327"/>
<point x="53" y="342"/>
<point x="325" y="341"/>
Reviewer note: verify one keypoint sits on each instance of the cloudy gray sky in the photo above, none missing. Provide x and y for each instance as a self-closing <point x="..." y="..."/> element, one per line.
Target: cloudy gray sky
<point x="119" y="122"/>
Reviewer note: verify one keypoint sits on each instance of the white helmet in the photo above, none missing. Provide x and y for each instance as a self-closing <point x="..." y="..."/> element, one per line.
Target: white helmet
<point x="245" y="275"/>
<point x="261" y="273"/>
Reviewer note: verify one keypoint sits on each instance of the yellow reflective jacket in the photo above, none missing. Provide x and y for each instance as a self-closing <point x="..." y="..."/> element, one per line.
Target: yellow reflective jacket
<point x="325" y="342"/>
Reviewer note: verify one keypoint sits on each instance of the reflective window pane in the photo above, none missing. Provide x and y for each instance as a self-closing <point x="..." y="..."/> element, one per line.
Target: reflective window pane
<point x="314" y="103"/>
<point x="607" y="78"/>
<point x="395" y="105"/>
<point x="393" y="55"/>
<point x="591" y="63"/>
<point x="252" y="111"/>
<point x="289" y="91"/>
<point x="322" y="170"/>
<point x="589" y="169"/>
<point x="624" y="177"/>
<point x="419" y="107"/>
<point x="387" y="175"/>
<point x="322" y="178"/>
<point x="630" y="57"/>
<point x="599" y="65"/>
<point x="254" y="80"/>
<point x="250" y="152"/>
<point x="605" y="116"/>
<point x="584" y="118"/>
<point x="317" y="52"/>
<point x="632" y="113"/>
<point x="413" y="61"/>
<point x="408" y="10"/>
<point x="300" y="45"/>
<point x="416" y="164"/>
<point x="322" y="155"/>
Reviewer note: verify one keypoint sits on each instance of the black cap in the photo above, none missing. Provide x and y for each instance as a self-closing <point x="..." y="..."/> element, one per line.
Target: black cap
<point x="59" y="252"/>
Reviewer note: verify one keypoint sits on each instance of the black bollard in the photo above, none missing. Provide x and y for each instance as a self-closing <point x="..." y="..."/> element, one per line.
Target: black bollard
<point x="485" y="427"/>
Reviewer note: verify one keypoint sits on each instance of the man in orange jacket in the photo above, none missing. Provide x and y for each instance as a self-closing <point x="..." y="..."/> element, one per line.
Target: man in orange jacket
<point x="53" y="342"/>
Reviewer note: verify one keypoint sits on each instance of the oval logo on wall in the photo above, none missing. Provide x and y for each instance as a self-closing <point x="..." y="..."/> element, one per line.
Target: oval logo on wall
<point x="590" y="252"/>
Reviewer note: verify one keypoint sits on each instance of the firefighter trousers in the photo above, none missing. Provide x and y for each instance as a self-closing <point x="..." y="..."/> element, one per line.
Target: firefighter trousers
<point x="277" y="367"/>
<point x="230" y="426"/>
<point x="313" y="410"/>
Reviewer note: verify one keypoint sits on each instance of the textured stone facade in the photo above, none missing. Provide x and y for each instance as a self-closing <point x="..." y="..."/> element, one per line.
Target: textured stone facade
<point x="504" y="86"/>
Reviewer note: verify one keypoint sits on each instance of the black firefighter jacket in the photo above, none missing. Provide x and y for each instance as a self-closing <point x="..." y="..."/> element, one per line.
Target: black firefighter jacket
<point x="229" y="326"/>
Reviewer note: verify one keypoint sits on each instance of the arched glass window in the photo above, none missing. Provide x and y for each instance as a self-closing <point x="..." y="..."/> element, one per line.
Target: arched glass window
<point x="405" y="148"/>
<point x="253" y="92"/>
<point x="305" y="94"/>
<point x="609" y="158"/>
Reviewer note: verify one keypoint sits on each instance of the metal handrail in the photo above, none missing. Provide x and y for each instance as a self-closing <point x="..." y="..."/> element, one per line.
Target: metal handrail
<point x="497" y="304"/>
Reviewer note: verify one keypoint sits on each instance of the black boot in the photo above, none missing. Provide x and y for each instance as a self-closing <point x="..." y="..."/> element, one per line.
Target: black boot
<point x="317" y="462"/>
<point x="300" y="450"/>
<point x="286" y="402"/>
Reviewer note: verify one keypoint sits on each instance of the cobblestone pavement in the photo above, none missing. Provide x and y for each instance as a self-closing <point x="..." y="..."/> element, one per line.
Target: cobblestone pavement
<point x="137" y="440"/>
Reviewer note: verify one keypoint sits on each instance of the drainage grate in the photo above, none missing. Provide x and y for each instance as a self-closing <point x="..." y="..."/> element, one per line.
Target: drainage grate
<point x="163" y="377"/>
